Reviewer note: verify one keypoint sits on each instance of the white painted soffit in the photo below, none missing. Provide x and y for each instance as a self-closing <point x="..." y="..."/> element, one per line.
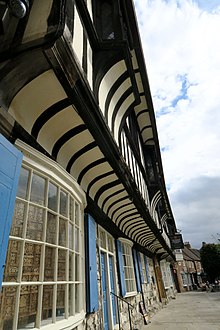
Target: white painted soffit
<point x="43" y="109"/>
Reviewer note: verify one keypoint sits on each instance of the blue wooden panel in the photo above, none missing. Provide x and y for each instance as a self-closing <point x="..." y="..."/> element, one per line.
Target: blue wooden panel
<point x="91" y="266"/>
<point x="10" y="165"/>
<point x="147" y="269"/>
<point x="121" y="268"/>
<point x="136" y="268"/>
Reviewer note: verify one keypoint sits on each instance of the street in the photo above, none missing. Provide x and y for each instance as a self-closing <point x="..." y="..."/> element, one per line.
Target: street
<point x="189" y="311"/>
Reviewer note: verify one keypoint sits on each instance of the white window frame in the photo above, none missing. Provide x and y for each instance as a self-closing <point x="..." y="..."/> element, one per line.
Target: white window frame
<point x="37" y="163"/>
<point x="128" y="244"/>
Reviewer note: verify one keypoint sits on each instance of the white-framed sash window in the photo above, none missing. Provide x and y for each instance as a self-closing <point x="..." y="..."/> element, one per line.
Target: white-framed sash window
<point x="166" y="274"/>
<point x="127" y="267"/>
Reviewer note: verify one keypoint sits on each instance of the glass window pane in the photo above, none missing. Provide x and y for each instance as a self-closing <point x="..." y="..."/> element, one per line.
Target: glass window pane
<point x="71" y="236"/>
<point x="31" y="263"/>
<point x="52" y="196"/>
<point x="61" y="276"/>
<point x="7" y="307"/>
<point x="28" y="307"/>
<point x="77" y="214"/>
<point x="133" y="285"/>
<point x="62" y="232"/>
<point x="35" y="222"/>
<point x="38" y="189"/>
<point x="71" y="209"/>
<point x="63" y="203"/>
<point x="107" y="20"/>
<point x="49" y="266"/>
<point x="127" y="286"/>
<point x="124" y="260"/>
<point x="71" y="266"/>
<point x="129" y="261"/>
<point x="110" y="244"/>
<point x="71" y="295"/>
<point x="47" y="306"/>
<point x="78" y="276"/>
<point x="77" y="239"/>
<point x="12" y="261"/>
<point x="126" y="272"/>
<point x="77" y="298"/>
<point x="23" y="183"/>
<point x="102" y="238"/>
<point x="60" y="307"/>
<point x="18" y="219"/>
<point x="51" y="236"/>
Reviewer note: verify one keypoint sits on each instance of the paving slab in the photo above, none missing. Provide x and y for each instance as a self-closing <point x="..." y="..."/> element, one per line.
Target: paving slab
<point x="189" y="311"/>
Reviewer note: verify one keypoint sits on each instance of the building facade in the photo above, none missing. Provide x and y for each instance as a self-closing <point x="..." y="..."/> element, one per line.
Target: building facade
<point x="189" y="268"/>
<point x="85" y="214"/>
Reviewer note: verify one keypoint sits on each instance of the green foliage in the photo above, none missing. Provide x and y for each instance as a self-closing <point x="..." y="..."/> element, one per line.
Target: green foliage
<point x="210" y="258"/>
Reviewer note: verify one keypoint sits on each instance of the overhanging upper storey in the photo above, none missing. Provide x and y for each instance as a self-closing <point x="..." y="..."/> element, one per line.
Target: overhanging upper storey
<point x="75" y="87"/>
<point x="122" y="89"/>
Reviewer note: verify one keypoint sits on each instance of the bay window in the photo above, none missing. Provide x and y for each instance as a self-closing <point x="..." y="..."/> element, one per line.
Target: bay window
<point x="43" y="282"/>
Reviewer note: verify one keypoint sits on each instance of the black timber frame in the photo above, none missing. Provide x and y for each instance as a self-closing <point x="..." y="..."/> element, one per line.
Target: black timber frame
<point x="55" y="49"/>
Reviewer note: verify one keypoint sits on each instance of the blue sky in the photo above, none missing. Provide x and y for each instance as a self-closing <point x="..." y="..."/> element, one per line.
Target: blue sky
<point x="181" y="43"/>
<point x="208" y="5"/>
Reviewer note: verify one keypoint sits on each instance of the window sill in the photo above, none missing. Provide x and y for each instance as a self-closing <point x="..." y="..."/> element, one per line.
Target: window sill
<point x="71" y="323"/>
<point x="131" y="294"/>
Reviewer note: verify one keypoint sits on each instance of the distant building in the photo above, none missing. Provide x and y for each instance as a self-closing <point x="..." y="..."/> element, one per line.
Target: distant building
<point x="87" y="231"/>
<point x="189" y="268"/>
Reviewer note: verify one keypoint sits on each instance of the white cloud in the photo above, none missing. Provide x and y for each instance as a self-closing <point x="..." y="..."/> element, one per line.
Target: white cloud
<point x="182" y="45"/>
<point x="198" y="217"/>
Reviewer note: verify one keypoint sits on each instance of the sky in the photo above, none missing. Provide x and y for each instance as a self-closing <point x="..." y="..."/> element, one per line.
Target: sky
<point x="181" y="44"/>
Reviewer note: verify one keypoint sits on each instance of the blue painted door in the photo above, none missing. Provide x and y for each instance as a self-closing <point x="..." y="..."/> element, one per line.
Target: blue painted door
<point x="10" y="164"/>
<point x="112" y="283"/>
<point x="92" y="302"/>
<point x="104" y="291"/>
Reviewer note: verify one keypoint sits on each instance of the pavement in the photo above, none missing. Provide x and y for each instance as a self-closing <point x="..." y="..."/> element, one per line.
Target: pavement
<point x="189" y="311"/>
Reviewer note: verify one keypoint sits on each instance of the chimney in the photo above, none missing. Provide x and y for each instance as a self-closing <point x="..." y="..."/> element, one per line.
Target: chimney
<point x="187" y="245"/>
